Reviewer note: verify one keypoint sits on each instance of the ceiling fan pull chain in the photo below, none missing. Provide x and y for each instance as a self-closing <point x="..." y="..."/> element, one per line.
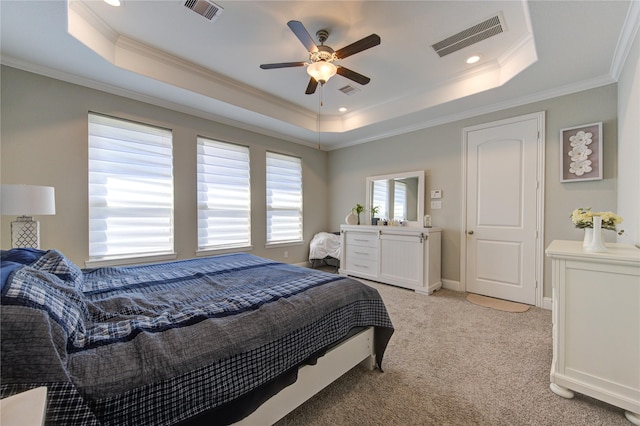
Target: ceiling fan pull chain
<point x="320" y="105"/>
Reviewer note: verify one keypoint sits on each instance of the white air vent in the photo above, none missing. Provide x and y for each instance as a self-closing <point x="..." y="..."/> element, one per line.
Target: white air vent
<point x="472" y="35"/>
<point x="208" y="9"/>
<point x="349" y="90"/>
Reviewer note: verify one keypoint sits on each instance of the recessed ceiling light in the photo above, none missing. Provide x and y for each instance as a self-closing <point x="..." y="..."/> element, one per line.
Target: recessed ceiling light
<point x="473" y="59"/>
<point x="342" y="109"/>
<point x="115" y="3"/>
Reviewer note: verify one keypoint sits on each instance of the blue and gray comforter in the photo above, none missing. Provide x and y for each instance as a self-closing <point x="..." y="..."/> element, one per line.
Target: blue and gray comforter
<point x="162" y="343"/>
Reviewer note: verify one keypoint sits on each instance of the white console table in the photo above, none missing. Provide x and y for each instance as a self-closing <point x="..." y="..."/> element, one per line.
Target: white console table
<point x="596" y="324"/>
<point x="403" y="256"/>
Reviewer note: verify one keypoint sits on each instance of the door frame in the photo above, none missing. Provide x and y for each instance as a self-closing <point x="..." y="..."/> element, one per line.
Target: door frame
<point x="539" y="250"/>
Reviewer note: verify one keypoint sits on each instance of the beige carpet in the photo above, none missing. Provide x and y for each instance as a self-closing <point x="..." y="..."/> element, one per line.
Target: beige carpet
<point x="498" y="304"/>
<point x="454" y="363"/>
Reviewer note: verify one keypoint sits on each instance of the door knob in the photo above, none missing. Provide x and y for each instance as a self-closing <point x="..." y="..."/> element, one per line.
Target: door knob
<point x="470" y="232"/>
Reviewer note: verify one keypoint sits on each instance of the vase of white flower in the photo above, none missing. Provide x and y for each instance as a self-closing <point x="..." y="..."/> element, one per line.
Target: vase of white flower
<point x="583" y="219"/>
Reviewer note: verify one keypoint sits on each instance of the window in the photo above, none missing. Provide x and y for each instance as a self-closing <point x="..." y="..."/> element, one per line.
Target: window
<point x="284" y="198"/>
<point x="224" y="195"/>
<point x="130" y="189"/>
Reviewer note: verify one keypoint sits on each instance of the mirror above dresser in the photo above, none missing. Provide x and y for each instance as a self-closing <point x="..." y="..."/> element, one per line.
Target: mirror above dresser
<point x="398" y="196"/>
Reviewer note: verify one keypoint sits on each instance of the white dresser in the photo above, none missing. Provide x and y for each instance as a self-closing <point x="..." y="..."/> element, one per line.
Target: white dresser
<point x="403" y="256"/>
<point x="596" y="324"/>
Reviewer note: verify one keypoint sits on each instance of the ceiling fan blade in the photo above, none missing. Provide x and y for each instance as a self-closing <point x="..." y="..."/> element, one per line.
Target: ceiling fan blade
<point x="358" y="46"/>
<point x="281" y="65"/>
<point x="303" y="35"/>
<point x="352" y="75"/>
<point x="311" y="88"/>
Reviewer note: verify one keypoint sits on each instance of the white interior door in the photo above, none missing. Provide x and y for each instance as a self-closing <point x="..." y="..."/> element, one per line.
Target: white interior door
<point x="502" y="208"/>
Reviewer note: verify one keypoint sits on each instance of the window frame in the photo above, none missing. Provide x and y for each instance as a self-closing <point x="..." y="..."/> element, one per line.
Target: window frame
<point x="269" y="208"/>
<point x="203" y="250"/>
<point x="161" y="160"/>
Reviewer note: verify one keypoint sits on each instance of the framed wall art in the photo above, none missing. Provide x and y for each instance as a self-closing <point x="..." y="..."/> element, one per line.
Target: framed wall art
<point x="581" y="153"/>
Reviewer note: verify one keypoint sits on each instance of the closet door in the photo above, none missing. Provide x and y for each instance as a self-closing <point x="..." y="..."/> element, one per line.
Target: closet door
<point x="503" y="209"/>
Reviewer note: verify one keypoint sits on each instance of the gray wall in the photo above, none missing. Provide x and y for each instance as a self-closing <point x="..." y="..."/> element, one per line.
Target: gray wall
<point x="44" y="142"/>
<point x="438" y="150"/>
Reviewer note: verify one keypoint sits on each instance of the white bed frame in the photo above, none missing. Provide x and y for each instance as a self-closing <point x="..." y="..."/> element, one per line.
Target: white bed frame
<point x="313" y="378"/>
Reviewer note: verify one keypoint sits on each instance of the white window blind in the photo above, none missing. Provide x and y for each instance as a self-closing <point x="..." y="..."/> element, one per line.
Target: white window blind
<point x="400" y="201"/>
<point x="284" y="198"/>
<point x="380" y="197"/>
<point x="224" y="195"/>
<point x="130" y="189"/>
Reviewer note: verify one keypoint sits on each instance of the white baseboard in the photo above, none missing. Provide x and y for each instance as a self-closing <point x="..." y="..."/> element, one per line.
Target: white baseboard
<point x="452" y="285"/>
<point x="457" y="286"/>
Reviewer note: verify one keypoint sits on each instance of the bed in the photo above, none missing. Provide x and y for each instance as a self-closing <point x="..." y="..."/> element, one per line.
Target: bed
<point x="200" y="341"/>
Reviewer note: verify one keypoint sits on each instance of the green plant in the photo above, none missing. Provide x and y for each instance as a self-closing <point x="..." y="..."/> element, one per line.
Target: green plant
<point x="359" y="208"/>
<point x="374" y="210"/>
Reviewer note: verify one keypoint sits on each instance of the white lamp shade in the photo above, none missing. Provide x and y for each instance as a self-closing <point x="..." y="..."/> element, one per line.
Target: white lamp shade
<point x="322" y="71"/>
<point x="27" y="200"/>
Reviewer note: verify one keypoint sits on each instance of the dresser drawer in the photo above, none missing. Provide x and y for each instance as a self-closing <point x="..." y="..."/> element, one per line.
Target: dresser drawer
<point x="362" y="252"/>
<point x="363" y="239"/>
<point x="368" y="267"/>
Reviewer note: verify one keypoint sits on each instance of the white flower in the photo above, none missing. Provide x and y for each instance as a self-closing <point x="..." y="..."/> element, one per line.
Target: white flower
<point x="580" y="167"/>
<point x="580" y="153"/>
<point x="583" y="218"/>
<point x="581" y="138"/>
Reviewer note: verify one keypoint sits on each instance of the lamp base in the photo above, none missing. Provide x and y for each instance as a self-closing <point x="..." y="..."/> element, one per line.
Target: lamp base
<point x="25" y="233"/>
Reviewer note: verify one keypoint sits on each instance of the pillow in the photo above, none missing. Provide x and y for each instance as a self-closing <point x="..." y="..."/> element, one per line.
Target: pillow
<point x="56" y="263"/>
<point x="45" y="291"/>
<point x="25" y="256"/>
<point x="6" y="268"/>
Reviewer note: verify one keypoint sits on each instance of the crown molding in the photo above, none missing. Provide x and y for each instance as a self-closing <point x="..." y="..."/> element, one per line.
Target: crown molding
<point x="162" y="103"/>
<point x="475" y="112"/>
<point x="512" y="103"/>
<point x="627" y="35"/>
<point x="139" y="58"/>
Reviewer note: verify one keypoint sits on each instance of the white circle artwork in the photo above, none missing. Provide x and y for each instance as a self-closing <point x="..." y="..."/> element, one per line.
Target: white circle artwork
<point x="580" y="163"/>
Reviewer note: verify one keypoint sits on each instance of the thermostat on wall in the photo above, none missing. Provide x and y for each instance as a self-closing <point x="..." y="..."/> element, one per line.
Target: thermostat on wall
<point x="436" y="193"/>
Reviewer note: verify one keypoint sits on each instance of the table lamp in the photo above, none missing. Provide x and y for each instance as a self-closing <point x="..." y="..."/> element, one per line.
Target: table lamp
<point x="26" y="201"/>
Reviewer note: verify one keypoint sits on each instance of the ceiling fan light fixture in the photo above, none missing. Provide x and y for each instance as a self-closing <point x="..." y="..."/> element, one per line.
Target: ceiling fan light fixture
<point x="322" y="71"/>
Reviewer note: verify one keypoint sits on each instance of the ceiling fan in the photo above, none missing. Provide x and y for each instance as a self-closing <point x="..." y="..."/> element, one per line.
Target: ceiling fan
<point x="322" y="57"/>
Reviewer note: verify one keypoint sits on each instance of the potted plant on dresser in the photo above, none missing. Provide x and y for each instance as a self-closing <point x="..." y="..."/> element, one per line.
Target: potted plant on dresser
<point x="374" y="211"/>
